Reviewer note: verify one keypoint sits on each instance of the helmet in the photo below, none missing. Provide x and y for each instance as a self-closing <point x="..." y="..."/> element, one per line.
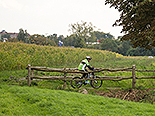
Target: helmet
<point x="88" y="57"/>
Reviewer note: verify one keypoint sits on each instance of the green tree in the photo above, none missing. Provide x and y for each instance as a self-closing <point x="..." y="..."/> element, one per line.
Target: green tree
<point x="21" y="35"/>
<point x="13" y="39"/>
<point x="92" y="38"/>
<point x="79" y="42"/>
<point x="123" y="47"/>
<point x="82" y="31"/>
<point x="5" y="36"/>
<point x="39" y="40"/>
<point x="101" y="35"/>
<point x="138" y="21"/>
<point x="110" y="45"/>
<point x="69" y="40"/>
<point x="26" y="36"/>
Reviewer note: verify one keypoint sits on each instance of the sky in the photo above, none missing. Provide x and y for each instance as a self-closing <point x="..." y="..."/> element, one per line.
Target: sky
<point x="46" y="17"/>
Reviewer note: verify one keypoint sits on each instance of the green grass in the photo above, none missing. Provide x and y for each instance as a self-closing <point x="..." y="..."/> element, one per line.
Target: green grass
<point x="15" y="56"/>
<point x="45" y="97"/>
<point x="16" y="100"/>
<point x="122" y="62"/>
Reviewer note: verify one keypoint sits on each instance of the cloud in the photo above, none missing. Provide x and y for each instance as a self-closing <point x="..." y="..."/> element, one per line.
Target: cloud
<point x="11" y="4"/>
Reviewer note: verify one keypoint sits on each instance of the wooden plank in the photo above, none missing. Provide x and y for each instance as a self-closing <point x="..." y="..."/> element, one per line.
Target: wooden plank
<point x="145" y="70"/>
<point x="69" y="78"/>
<point x="101" y="78"/>
<point x="145" y="77"/>
<point x="112" y="70"/>
<point x="74" y="70"/>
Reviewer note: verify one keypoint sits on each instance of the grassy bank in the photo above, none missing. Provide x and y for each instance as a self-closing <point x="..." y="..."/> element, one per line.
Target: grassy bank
<point x="16" y="100"/>
<point x="19" y="55"/>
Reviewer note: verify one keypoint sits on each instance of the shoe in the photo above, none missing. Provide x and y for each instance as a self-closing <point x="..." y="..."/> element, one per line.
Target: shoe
<point x="79" y="82"/>
<point x="87" y="81"/>
<point x="96" y="82"/>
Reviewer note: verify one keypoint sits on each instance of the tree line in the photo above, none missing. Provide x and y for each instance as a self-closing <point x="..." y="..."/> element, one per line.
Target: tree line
<point x="106" y="41"/>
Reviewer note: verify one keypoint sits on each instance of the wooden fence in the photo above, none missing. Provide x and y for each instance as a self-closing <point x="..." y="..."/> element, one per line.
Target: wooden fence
<point x="65" y="78"/>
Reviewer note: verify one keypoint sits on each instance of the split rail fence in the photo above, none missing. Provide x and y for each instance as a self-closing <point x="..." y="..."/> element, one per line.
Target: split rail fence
<point x="65" y="78"/>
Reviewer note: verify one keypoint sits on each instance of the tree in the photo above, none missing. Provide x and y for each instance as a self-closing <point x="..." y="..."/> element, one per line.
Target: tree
<point x="101" y="35"/>
<point x="21" y="35"/>
<point x="79" y="42"/>
<point x="82" y="31"/>
<point x="92" y="38"/>
<point x="123" y="47"/>
<point x="13" y="39"/>
<point x="39" y="40"/>
<point x="110" y="45"/>
<point x="138" y="21"/>
<point x="69" y="40"/>
<point x="6" y="35"/>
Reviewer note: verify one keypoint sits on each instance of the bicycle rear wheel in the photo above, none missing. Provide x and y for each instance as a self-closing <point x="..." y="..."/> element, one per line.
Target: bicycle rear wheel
<point x="96" y="83"/>
<point x="76" y="84"/>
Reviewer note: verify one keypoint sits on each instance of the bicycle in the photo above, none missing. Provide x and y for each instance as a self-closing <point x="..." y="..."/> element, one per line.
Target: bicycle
<point x="94" y="83"/>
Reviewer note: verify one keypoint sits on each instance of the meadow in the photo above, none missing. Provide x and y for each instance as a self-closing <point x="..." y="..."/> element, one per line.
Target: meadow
<point x="17" y="56"/>
<point x="16" y="100"/>
<point x="46" y="97"/>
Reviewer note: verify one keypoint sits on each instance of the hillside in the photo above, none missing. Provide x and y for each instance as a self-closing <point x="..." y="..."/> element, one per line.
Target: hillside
<point x="44" y="97"/>
<point x="16" y="100"/>
<point x="19" y="55"/>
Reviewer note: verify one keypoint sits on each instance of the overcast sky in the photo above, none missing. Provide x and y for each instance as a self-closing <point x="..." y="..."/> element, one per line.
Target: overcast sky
<point x="54" y="16"/>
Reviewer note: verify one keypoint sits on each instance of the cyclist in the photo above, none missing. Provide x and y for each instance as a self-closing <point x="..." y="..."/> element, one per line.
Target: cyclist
<point x="83" y="64"/>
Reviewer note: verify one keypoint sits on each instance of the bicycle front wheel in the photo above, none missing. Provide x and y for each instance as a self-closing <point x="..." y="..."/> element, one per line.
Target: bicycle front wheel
<point x="76" y="84"/>
<point x="96" y="83"/>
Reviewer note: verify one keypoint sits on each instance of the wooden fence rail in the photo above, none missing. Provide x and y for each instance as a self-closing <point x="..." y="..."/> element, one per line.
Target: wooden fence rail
<point x="75" y="70"/>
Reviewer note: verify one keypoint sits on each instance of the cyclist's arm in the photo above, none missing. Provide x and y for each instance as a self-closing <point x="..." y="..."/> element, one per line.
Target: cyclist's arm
<point x="91" y="68"/>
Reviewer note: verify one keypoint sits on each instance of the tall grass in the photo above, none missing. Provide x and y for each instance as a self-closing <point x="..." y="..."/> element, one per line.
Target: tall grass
<point x="19" y="55"/>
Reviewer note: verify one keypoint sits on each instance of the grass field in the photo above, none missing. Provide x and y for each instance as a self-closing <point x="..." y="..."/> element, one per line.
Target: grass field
<point x="14" y="58"/>
<point x="45" y="97"/>
<point x="16" y="100"/>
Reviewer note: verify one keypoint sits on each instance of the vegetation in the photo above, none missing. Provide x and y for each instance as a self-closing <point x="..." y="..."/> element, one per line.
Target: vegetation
<point x="83" y="36"/>
<point x="16" y="100"/>
<point x="15" y="56"/>
<point x="138" y="21"/>
<point x="19" y="55"/>
<point x="82" y="32"/>
<point x="45" y="97"/>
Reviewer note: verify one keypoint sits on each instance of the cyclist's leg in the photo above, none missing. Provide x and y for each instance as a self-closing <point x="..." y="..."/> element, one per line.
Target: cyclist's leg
<point x="84" y="74"/>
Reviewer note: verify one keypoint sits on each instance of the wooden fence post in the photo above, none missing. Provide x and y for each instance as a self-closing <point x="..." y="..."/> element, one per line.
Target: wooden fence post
<point x="29" y="75"/>
<point x="133" y="76"/>
<point x="64" y="78"/>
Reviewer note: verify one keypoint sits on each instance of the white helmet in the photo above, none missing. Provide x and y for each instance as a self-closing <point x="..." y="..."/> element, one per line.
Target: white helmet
<point x="88" y="57"/>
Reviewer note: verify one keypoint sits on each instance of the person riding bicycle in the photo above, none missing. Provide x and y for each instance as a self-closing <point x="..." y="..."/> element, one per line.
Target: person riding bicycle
<point x="85" y="63"/>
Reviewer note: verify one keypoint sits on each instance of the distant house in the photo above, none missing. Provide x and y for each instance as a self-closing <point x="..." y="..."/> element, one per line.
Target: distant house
<point x="12" y="35"/>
